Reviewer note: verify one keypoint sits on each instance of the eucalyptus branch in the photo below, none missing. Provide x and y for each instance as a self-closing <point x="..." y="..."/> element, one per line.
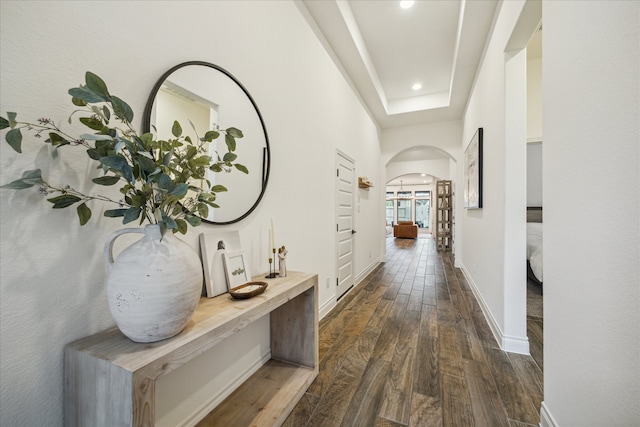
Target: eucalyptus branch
<point x="156" y="176"/>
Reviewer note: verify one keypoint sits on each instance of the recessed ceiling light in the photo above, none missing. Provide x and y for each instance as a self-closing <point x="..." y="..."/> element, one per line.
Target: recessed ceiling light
<point x="416" y="86"/>
<point x="406" y="4"/>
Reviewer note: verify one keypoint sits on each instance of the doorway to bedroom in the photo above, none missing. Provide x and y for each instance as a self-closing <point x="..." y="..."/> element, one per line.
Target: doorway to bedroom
<point x="534" y="197"/>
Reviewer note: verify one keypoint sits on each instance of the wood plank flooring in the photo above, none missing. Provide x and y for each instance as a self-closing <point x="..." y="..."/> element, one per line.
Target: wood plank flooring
<point x="409" y="346"/>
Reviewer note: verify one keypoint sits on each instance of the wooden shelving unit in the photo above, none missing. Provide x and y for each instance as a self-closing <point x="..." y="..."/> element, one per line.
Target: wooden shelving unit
<point x="110" y="380"/>
<point x="444" y="215"/>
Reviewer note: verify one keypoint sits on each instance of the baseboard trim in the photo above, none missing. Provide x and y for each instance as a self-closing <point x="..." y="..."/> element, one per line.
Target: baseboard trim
<point x="512" y="344"/>
<point x="367" y="270"/>
<point x="546" y="419"/>
<point x="325" y="308"/>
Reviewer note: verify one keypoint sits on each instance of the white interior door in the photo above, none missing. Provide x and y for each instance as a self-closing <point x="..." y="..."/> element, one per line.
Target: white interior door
<point x="344" y="223"/>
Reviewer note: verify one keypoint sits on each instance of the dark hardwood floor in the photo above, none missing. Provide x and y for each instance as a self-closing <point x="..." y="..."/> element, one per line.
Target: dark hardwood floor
<point x="409" y="346"/>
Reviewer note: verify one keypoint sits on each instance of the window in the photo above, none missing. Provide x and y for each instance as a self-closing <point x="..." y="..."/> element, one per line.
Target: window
<point x="404" y="209"/>
<point x="423" y="208"/>
<point x="423" y="212"/>
<point x="389" y="211"/>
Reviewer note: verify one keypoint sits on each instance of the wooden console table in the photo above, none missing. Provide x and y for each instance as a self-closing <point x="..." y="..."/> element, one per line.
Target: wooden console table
<point x="110" y="380"/>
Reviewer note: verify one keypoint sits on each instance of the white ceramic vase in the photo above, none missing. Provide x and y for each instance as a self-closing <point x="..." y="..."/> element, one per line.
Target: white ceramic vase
<point x="154" y="285"/>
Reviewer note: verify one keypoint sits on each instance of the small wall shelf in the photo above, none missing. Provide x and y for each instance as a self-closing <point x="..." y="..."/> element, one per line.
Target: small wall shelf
<point x="363" y="182"/>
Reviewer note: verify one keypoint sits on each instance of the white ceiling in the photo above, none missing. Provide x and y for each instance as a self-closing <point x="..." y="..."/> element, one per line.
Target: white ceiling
<point x="384" y="49"/>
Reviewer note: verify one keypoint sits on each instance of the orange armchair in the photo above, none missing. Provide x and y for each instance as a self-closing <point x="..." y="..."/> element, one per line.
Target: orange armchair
<point x="405" y="230"/>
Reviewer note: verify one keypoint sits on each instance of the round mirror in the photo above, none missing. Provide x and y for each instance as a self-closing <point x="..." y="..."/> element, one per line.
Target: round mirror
<point x="203" y="97"/>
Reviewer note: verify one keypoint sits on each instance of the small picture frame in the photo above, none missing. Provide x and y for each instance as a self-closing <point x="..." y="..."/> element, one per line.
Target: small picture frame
<point x="236" y="269"/>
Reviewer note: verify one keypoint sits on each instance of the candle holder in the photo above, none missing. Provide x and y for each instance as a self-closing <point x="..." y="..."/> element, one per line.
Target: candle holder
<point x="272" y="274"/>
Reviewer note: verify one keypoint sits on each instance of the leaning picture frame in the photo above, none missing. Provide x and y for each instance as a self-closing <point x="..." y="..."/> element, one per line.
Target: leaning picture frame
<point x="473" y="172"/>
<point x="236" y="269"/>
<point x="212" y="246"/>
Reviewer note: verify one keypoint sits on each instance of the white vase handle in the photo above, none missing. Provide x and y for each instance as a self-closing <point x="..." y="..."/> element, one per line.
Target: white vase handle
<point x="108" y="246"/>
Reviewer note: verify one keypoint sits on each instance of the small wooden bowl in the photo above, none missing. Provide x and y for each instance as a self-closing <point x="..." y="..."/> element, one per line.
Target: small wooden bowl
<point x="248" y="290"/>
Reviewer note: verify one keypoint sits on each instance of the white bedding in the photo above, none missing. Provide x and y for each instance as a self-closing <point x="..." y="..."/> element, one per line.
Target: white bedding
<point x="534" y="248"/>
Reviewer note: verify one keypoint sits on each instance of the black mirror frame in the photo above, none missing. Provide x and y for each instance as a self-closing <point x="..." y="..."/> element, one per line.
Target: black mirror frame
<point x="266" y="154"/>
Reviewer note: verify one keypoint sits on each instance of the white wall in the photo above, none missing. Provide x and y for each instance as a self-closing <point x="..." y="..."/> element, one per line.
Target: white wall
<point x="534" y="174"/>
<point x="493" y="255"/>
<point x="438" y="168"/>
<point x="52" y="274"/>
<point x="591" y="159"/>
<point x="534" y="99"/>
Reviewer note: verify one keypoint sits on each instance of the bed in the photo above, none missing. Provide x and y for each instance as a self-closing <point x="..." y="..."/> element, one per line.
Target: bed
<point x="534" y="244"/>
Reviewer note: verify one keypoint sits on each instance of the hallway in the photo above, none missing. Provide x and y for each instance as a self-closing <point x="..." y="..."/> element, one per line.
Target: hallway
<point x="410" y="347"/>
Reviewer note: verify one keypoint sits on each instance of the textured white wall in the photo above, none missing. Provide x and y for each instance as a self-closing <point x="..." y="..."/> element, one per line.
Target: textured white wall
<point x="52" y="275"/>
<point x="591" y="201"/>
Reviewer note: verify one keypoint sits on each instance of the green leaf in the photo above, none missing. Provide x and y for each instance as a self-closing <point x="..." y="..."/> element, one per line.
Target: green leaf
<point x="138" y="200"/>
<point x="235" y="132"/>
<point x="131" y="214"/>
<point x="96" y="85"/>
<point x="106" y="180"/>
<point x="14" y="138"/>
<point x="114" y="162"/>
<point x="84" y="213"/>
<point x="203" y="210"/>
<point x="231" y="142"/>
<point x="4" y="123"/>
<point x="169" y="222"/>
<point x="28" y="179"/>
<point x="93" y="153"/>
<point x="218" y="189"/>
<point x="191" y="152"/>
<point x="122" y="109"/>
<point x="92" y="123"/>
<point x="64" y="201"/>
<point x="230" y="157"/>
<point x="210" y="135"/>
<point x="106" y="112"/>
<point x="176" y="129"/>
<point x="193" y="220"/>
<point x="241" y="168"/>
<point x="113" y="213"/>
<point x="182" y="226"/>
<point x="180" y="190"/>
<point x="145" y="163"/>
<point x="85" y="95"/>
<point x="55" y="139"/>
<point x="165" y="183"/>
<point x="78" y="102"/>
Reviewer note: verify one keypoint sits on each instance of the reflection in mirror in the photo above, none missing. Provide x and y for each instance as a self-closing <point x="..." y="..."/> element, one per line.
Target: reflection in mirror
<point x="210" y="98"/>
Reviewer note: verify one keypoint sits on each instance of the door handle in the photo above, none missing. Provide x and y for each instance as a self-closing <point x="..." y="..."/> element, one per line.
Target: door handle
<point x="353" y="231"/>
